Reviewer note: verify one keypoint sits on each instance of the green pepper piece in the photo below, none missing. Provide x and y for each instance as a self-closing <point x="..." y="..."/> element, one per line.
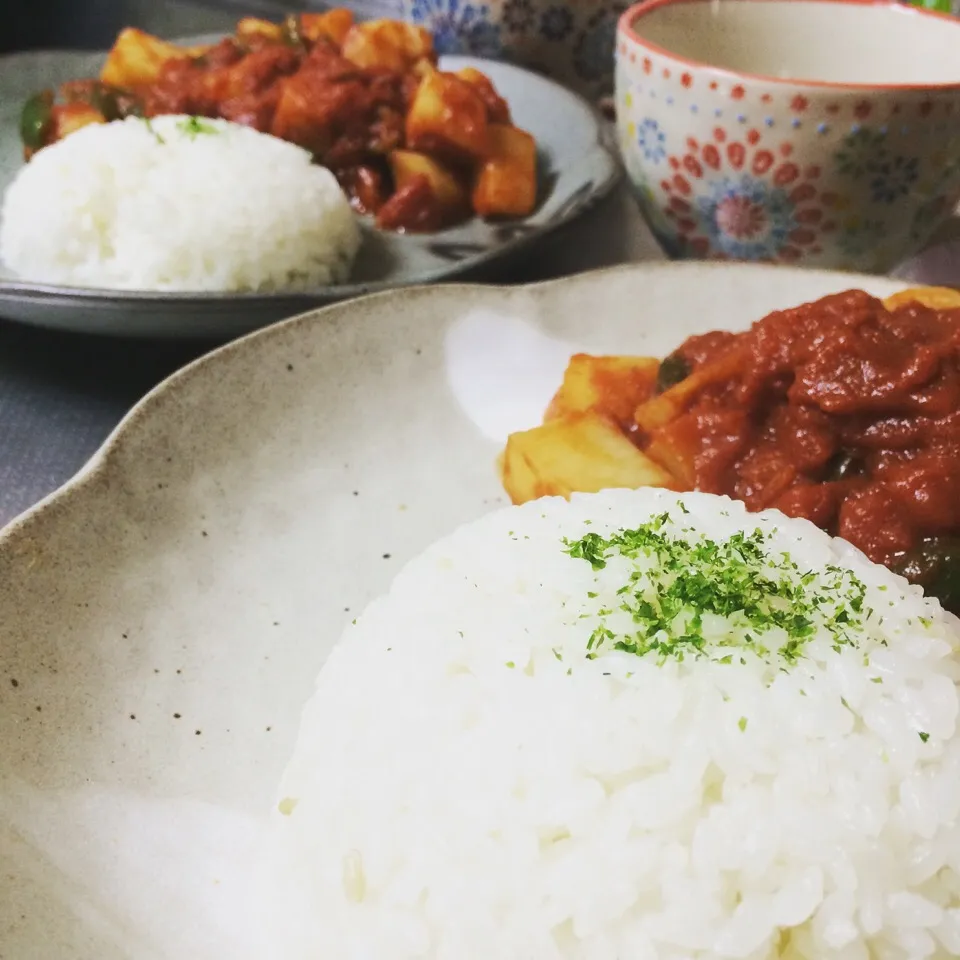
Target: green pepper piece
<point x="115" y="103"/>
<point x="935" y="565"/>
<point x="672" y="370"/>
<point x="35" y="120"/>
<point x="105" y="99"/>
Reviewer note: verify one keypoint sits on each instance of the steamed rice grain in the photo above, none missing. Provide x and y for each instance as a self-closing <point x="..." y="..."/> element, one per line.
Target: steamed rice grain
<point x="473" y="781"/>
<point x="177" y="204"/>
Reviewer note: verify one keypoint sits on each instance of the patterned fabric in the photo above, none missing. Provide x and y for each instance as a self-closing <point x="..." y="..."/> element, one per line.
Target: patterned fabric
<point x="573" y="41"/>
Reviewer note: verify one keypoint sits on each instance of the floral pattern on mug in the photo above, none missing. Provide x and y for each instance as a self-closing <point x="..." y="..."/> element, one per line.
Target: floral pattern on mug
<point x="747" y="218"/>
<point x="859" y="151"/>
<point x="651" y="140"/>
<point x="738" y="199"/>
<point x="866" y="155"/>
<point x="652" y="212"/>
<point x="893" y="178"/>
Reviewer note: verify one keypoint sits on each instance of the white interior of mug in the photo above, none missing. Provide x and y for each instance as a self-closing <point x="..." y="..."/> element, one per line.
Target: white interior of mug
<point x="815" y="40"/>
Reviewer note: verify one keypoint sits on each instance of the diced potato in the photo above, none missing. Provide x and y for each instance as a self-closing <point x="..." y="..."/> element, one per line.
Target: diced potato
<point x="334" y="25"/>
<point x="613" y="386"/>
<point x="497" y="109"/>
<point x="136" y="58"/>
<point x="583" y="453"/>
<point x="423" y="68"/>
<point x="506" y="185"/>
<point x="252" y="27"/>
<point x="405" y="165"/>
<point x="448" y="117"/>
<point x="659" y="411"/>
<point x="937" y="298"/>
<point x="387" y="45"/>
<point x="501" y="463"/>
<point x="293" y="120"/>
<point x="474" y="76"/>
<point x="674" y="447"/>
<point x="517" y="473"/>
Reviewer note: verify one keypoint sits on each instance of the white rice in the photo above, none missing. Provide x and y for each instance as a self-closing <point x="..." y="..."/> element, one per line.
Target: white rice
<point x="468" y="785"/>
<point x="157" y="206"/>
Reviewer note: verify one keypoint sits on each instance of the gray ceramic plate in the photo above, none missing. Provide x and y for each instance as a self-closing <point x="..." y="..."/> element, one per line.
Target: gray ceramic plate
<point x="577" y="170"/>
<point x="162" y="618"/>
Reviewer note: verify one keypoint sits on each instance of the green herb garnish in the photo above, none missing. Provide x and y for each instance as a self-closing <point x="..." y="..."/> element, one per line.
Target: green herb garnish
<point x="194" y="126"/>
<point x="924" y="736"/>
<point x="153" y="131"/>
<point x="674" y="580"/>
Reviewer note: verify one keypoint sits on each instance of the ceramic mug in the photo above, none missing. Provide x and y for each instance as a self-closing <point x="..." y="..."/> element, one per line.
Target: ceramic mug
<point x="818" y="132"/>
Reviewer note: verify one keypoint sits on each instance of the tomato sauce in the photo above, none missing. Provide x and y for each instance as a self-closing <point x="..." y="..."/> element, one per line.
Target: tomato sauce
<point x="842" y="412"/>
<point x="348" y="99"/>
<point x="349" y="118"/>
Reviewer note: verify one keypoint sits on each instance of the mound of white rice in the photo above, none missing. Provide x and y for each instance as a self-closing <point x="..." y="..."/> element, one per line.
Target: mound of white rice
<point x="177" y="203"/>
<point x="493" y="769"/>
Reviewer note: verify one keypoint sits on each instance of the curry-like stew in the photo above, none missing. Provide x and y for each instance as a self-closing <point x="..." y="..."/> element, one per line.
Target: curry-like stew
<point x="845" y="412"/>
<point x="418" y="147"/>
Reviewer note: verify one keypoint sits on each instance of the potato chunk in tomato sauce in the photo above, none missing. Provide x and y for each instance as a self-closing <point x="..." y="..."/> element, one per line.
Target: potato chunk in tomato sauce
<point x="418" y="148"/>
<point x="844" y="412"/>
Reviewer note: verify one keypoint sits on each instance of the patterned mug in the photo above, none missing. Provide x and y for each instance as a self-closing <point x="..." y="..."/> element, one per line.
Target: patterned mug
<point x="570" y="40"/>
<point x="818" y="132"/>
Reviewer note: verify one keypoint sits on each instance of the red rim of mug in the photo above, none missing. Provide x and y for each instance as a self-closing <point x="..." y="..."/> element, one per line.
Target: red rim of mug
<point x="625" y="28"/>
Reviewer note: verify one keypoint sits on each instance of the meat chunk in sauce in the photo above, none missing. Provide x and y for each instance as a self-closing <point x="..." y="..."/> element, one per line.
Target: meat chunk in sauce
<point x="353" y="94"/>
<point x="842" y="412"/>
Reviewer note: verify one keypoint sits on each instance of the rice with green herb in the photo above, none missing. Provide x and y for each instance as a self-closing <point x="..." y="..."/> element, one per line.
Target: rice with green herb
<point x="177" y="204"/>
<point x="637" y="726"/>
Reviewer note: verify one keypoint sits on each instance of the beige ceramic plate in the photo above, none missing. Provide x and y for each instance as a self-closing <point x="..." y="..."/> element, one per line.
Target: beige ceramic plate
<point x="163" y="617"/>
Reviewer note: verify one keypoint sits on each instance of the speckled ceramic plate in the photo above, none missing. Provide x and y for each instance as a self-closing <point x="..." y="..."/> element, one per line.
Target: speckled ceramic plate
<point x="162" y="617"/>
<point x="576" y="170"/>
